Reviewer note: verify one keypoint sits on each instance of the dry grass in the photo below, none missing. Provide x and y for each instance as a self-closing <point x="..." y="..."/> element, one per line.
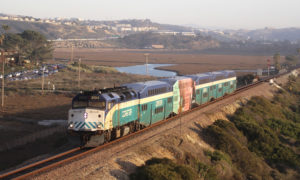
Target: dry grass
<point x="67" y="79"/>
<point x="187" y="63"/>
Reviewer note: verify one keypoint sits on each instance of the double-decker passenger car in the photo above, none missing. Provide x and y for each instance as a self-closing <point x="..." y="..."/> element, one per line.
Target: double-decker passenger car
<point x="101" y="115"/>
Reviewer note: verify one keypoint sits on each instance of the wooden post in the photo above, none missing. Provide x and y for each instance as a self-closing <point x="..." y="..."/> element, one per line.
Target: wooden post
<point x="43" y="79"/>
<point x="79" y="62"/>
<point x="146" y="55"/>
<point x="72" y="51"/>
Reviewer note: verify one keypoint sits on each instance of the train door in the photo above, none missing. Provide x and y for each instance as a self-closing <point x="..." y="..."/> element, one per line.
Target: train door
<point x="158" y="111"/>
<point x="198" y="96"/>
<point x="145" y="114"/>
<point x="214" y="91"/>
<point x="220" y="90"/>
<point x="168" y="106"/>
<point x="116" y="116"/>
<point x="204" y="95"/>
<point x="231" y="87"/>
<point x="226" y="88"/>
<point x="210" y="92"/>
<point x="176" y="98"/>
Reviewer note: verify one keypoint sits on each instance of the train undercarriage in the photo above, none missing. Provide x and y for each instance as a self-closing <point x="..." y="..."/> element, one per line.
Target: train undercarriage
<point x="96" y="138"/>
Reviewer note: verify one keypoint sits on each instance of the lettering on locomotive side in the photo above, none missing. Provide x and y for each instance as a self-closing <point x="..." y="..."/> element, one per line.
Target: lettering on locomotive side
<point x="94" y="97"/>
<point x="126" y="113"/>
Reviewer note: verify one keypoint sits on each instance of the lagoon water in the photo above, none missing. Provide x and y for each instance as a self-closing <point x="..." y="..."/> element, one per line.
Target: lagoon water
<point x="141" y="69"/>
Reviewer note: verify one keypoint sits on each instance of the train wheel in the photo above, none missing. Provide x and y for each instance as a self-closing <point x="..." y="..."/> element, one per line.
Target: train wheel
<point x="137" y="126"/>
<point x="84" y="139"/>
<point x="107" y="136"/>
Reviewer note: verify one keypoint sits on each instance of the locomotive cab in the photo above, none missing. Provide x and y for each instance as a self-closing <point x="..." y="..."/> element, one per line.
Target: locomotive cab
<point x="87" y="113"/>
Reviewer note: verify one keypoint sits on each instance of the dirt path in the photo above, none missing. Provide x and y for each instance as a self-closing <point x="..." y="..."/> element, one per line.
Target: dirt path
<point x="169" y="141"/>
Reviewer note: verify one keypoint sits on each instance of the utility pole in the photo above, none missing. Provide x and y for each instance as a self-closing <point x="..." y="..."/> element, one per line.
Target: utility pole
<point x="79" y="62"/>
<point x="72" y="51"/>
<point x="43" y="79"/>
<point x="2" y="92"/>
<point x="268" y="67"/>
<point x="146" y="56"/>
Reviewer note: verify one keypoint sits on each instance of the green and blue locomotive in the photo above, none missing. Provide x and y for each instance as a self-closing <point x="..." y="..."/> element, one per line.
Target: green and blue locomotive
<point x="101" y="115"/>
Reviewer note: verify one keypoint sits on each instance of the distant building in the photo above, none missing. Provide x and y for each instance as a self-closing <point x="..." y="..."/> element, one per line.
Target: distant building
<point x="188" y="34"/>
<point x="167" y="33"/>
<point x="158" y="46"/>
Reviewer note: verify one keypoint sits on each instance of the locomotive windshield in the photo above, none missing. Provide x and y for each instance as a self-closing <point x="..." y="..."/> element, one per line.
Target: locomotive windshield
<point x="91" y="103"/>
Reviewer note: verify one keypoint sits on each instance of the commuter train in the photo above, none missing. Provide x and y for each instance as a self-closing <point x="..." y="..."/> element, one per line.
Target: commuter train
<point x="102" y="115"/>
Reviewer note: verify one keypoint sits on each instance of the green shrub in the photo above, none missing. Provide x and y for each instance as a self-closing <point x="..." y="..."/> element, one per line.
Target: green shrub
<point x="224" y="136"/>
<point x="163" y="169"/>
<point x="263" y="122"/>
<point x="218" y="156"/>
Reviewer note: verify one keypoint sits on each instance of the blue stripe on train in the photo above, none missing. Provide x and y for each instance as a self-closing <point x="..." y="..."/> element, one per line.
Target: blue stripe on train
<point x="79" y="125"/>
<point x="91" y="124"/>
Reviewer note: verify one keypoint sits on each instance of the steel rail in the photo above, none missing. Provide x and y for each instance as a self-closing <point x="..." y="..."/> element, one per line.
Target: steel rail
<point x="127" y="137"/>
<point x="39" y="163"/>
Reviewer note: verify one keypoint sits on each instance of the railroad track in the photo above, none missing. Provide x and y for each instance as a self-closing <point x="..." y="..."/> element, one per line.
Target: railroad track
<point x="68" y="156"/>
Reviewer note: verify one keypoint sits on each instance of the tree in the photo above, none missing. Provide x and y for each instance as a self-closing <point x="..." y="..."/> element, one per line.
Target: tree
<point x="13" y="42"/>
<point x="5" y="28"/>
<point x="291" y="60"/>
<point x="276" y="59"/>
<point x="36" y="46"/>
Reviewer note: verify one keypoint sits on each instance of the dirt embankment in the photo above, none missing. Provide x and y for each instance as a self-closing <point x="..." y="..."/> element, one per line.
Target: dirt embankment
<point x="171" y="141"/>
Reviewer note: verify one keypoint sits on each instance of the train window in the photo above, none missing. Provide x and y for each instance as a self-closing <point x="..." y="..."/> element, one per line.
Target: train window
<point x="220" y="89"/>
<point x="144" y="107"/>
<point x="226" y="84"/>
<point x="198" y="91"/>
<point x="79" y="104"/>
<point x="159" y="110"/>
<point x="97" y="104"/>
<point x="169" y="99"/>
<point x="210" y="88"/>
<point x="205" y="94"/>
<point x="231" y="86"/>
<point x="214" y="86"/>
<point x="122" y="97"/>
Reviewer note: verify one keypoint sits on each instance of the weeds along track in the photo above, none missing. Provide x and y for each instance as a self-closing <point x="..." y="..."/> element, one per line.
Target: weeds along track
<point x="71" y="155"/>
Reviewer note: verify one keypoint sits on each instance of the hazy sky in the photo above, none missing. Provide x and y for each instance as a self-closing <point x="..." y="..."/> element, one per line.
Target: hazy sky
<point x="233" y="14"/>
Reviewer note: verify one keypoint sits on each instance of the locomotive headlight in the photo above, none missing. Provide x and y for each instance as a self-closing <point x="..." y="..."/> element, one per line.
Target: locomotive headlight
<point x="71" y="125"/>
<point x="99" y="126"/>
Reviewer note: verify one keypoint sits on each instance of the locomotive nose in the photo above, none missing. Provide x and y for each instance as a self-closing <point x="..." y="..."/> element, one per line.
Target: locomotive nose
<point x="86" y="119"/>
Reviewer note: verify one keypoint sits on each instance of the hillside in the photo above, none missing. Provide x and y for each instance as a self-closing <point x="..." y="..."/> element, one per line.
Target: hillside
<point x="146" y="40"/>
<point x="53" y="31"/>
<point x="284" y="34"/>
<point x="143" y="33"/>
